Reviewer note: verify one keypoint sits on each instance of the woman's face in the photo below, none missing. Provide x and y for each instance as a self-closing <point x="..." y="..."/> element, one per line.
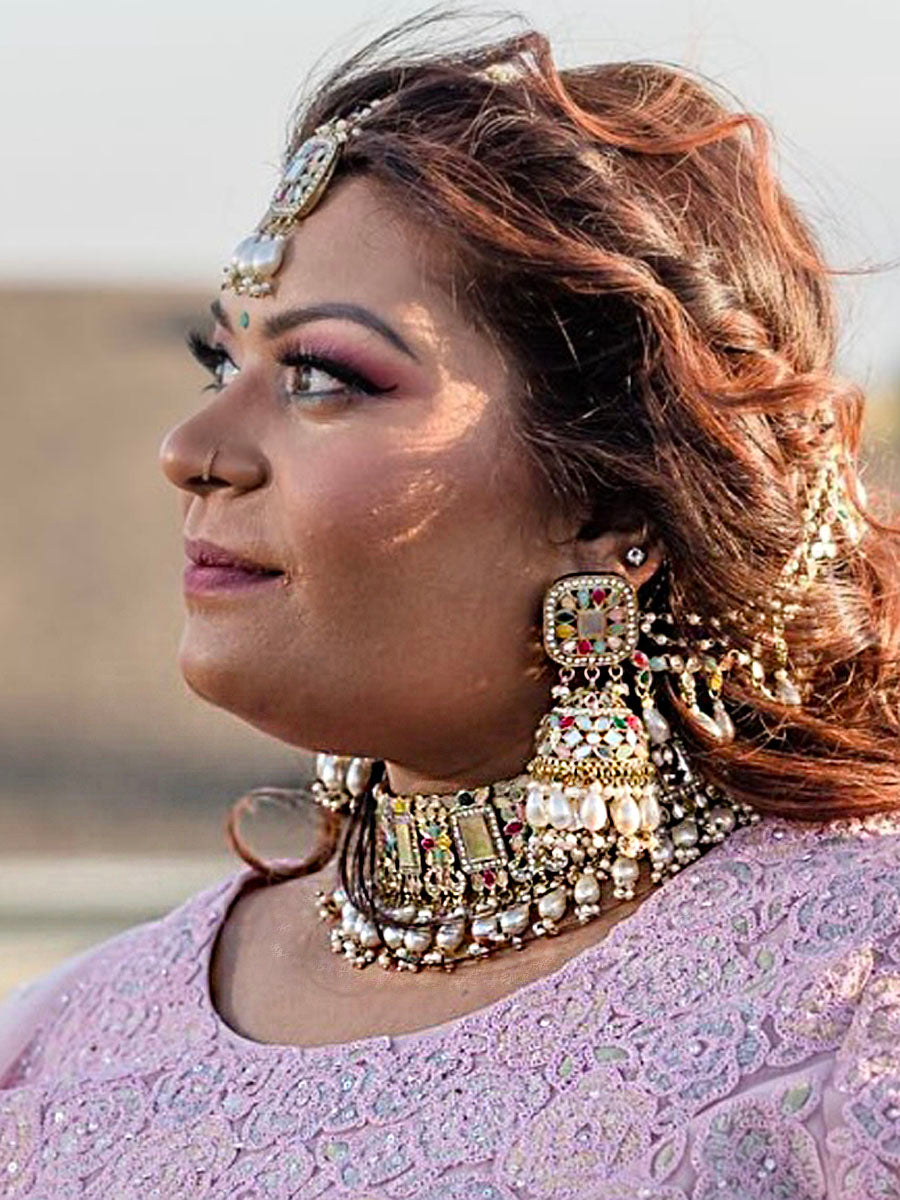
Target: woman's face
<point x="384" y="480"/>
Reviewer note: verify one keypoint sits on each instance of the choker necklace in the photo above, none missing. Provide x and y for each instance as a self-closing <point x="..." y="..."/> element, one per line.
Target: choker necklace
<point x="461" y="875"/>
<point x="457" y="876"/>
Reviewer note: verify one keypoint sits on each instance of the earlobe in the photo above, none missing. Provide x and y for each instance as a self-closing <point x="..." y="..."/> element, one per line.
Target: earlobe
<point x="633" y="553"/>
<point x="641" y="560"/>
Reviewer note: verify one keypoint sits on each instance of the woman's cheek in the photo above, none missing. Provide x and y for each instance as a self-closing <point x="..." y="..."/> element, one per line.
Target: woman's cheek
<point x="377" y="498"/>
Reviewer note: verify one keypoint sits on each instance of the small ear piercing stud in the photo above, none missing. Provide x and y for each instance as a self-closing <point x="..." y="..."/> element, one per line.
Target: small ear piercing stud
<point x="636" y="556"/>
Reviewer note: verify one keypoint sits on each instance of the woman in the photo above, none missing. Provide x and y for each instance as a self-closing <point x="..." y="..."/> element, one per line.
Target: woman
<point x="527" y="496"/>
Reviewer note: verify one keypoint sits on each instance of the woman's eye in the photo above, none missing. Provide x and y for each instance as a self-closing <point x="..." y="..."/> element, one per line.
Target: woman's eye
<point x="315" y="375"/>
<point x="214" y="358"/>
<point x="308" y="375"/>
<point x="224" y="372"/>
<point x="306" y="379"/>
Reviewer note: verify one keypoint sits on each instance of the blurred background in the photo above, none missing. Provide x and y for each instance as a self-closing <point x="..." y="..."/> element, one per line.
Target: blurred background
<point x="140" y="142"/>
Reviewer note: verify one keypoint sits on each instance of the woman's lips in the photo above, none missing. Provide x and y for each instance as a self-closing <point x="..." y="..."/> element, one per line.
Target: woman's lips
<point x="203" y="578"/>
<point x="213" y="567"/>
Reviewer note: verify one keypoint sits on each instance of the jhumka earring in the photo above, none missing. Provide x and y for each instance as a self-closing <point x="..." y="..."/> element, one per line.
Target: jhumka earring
<point x="608" y="772"/>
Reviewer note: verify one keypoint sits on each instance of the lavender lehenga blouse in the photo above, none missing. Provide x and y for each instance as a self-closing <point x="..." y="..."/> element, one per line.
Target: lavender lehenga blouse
<point x="736" y="1038"/>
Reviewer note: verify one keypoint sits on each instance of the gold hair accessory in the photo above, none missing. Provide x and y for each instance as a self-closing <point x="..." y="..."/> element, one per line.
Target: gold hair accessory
<point x="307" y="171"/>
<point x="827" y="514"/>
<point x="507" y="71"/>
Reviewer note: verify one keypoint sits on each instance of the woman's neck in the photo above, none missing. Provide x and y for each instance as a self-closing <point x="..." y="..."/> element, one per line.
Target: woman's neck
<point x="406" y="779"/>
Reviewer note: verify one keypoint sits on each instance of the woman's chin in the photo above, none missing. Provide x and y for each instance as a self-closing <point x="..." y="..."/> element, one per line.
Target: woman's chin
<point x="220" y="671"/>
<point x="245" y="684"/>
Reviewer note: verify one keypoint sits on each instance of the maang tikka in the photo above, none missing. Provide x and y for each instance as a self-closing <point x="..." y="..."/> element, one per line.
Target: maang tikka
<point x="305" y="176"/>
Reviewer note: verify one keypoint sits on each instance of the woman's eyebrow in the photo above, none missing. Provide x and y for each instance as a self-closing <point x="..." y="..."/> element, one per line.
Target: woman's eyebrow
<point x="290" y="318"/>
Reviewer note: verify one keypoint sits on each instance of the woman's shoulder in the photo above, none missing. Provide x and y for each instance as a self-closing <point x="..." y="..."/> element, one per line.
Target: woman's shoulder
<point x="741" y="1024"/>
<point x="814" y="886"/>
<point x="773" y="948"/>
<point x="791" y="896"/>
<point x="159" y="956"/>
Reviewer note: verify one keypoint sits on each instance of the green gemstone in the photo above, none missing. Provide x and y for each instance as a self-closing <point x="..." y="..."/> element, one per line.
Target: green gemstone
<point x="244" y="320"/>
<point x="405" y="849"/>
<point x="476" y="836"/>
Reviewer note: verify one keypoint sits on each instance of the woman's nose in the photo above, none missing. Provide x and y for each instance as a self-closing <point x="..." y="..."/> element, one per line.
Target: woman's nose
<point x="200" y="462"/>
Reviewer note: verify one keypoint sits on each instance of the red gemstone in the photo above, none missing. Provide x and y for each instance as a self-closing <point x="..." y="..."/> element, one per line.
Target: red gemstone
<point x="513" y="827"/>
<point x="640" y="659"/>
<point x="584" y="646"/>
<point x="427" y="843"/>
<point x="599" y="595"/>
<point x="565" y="722"/>
<point x="489" y="877"/>
<point x="633" y="721"/>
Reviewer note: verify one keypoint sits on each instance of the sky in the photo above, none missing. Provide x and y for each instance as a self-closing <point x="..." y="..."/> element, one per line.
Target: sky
<point x="141" y="140"/>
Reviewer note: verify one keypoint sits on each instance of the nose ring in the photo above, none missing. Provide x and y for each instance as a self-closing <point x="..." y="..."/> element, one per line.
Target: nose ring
<point x="207" y="467"/>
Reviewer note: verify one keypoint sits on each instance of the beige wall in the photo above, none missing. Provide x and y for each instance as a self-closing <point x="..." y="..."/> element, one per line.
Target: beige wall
<point x="96" y="724"/>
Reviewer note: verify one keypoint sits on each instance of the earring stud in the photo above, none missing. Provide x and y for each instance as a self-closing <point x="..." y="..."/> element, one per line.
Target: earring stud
<point x="636" y="556"/>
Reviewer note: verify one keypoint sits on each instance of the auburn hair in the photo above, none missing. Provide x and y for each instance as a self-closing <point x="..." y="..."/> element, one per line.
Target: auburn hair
<point x="670" y="319"/>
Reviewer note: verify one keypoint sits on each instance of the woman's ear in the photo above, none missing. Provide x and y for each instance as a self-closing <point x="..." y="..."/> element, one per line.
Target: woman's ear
<point x="608" y="551"/>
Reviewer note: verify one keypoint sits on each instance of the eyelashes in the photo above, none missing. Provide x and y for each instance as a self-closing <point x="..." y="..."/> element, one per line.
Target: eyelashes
<point x="207" y="355"/>
<point x="214" y="358"/>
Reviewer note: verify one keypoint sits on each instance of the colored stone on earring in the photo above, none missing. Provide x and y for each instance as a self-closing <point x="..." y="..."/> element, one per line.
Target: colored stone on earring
<point x="590" y="620"/>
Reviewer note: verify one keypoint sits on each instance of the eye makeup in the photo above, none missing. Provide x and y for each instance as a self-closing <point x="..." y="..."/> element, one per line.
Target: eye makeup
<point x="214" y="357"/>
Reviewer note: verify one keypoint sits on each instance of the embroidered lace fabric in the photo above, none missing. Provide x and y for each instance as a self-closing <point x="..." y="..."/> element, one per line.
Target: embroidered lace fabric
<point x="736" y="1038"/>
